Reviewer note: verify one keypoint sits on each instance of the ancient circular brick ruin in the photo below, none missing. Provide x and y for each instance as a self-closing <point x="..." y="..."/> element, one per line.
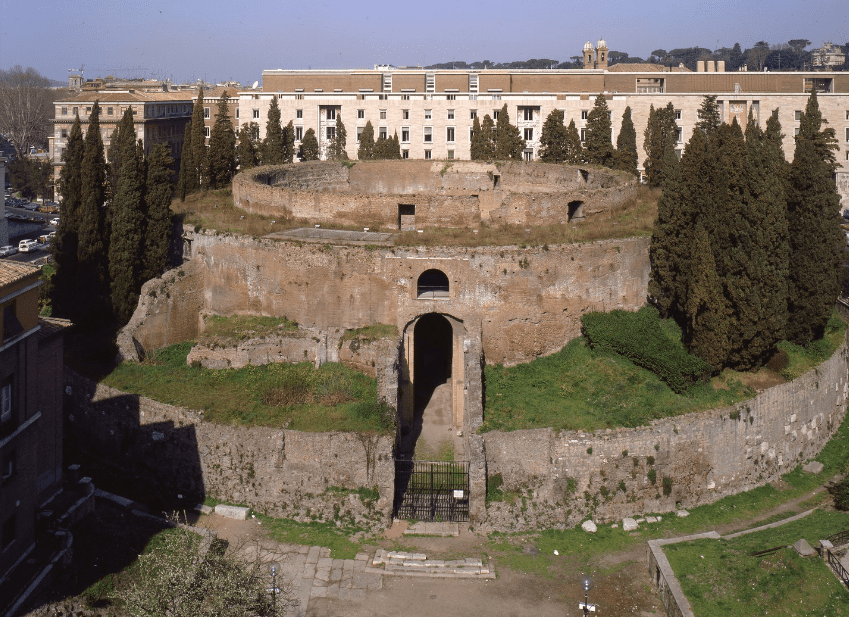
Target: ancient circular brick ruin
<point x="407" y="195"/>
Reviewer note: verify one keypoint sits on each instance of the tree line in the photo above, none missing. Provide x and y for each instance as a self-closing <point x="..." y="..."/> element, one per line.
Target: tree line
<point x="747" y="250"/>
<point x="115" y="227"/>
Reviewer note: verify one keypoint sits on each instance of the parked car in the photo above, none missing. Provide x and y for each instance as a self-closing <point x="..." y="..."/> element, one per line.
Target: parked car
<point x="55" y="222"/>
<point x="26" y="246"/>
<point x="7" y="250"/>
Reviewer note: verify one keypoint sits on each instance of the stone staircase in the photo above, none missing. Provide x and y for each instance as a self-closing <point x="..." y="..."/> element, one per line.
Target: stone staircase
<point x="400" y="563"/>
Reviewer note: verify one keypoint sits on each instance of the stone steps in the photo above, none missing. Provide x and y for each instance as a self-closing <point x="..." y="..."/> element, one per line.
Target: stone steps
<point x="399" y="563"/>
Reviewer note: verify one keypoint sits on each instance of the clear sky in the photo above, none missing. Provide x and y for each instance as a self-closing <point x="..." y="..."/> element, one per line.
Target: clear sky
<point x="189" y="39"/>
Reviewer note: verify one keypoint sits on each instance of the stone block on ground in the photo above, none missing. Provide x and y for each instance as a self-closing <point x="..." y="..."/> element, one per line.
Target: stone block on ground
<point x="203" y="509"/>
<point x="682" y="513"/>
<point x="812" y="467"/>
<point x="589" y="527"/>
<point x="629" y="524"/>
<point x="803" y="548"/>
<point x="651" y="519"/>
<point x="235" y="512"/>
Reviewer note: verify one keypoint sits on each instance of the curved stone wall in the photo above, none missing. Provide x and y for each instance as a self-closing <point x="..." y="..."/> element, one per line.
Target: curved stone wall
<point x="418" y="194"/>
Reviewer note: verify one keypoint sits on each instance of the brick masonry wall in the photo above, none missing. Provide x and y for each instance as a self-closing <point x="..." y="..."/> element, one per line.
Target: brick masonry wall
<point x="560" y="479"/>
<point x="282" y="472"/>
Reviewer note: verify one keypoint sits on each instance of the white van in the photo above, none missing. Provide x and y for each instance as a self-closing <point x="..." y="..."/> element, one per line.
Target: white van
<point x="25" y="246"/>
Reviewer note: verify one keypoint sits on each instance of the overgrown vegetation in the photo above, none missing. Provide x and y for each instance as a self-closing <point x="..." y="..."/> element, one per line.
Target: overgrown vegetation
<point x="296" y="396"/>
<point x="370" y="333"/>
<point x="220" y="329"/>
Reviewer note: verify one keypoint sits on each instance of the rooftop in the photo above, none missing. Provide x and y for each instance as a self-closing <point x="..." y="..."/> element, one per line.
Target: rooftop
<point x="15" y="271"/>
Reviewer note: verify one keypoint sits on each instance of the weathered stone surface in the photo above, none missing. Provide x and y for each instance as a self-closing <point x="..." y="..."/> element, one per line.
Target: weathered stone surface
<point x="235" y="512"/>
<point x="589" y="527"/>
<point x="813" y="467"/>
<point x="803" y="548"/>
<point x="629" y="524"/>
<point x="682" y="513"/>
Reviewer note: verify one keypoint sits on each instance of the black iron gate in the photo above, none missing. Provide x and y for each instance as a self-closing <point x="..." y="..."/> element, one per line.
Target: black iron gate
<point x="432" y="490"/>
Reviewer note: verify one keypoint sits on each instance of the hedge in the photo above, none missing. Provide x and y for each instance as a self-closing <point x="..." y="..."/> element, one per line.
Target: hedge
<point x="639" y="337"/>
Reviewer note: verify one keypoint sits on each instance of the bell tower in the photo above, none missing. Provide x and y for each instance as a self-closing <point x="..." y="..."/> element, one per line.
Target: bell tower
<point x="601" y="55"/>
<point x="588" y="55"/>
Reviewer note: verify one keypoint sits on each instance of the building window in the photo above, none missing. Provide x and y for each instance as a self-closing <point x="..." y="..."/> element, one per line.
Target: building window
<point x="383" y="114"/>
<point x="496" y="97"/>
<point x="473" y="113"/>
<point x="65" y="112"/>
<point x="495" y="114"/>
<point x="65" y="133"/>
<point x="237" y="113"/>
<point x="382" y="132"/>
<point x="450" y="155"/>
<point x="299" y="97"/>
<point x="450" y="114"/>
<point x="449" y="134"/>
<point x="796" y="132"/>
<point x="451" y="97"/>
<point x="428" y="114"/>
<point x="405" y="154"/>
<point x="330" y="132"/>
<point x="359" y="132"/>
<point x="88" y="110"/>
<point x="109" y="111"/>
<point x="331" y="113"/>
<point x="361" y="113"/>
<point x="427" y="155"/>
<point x="206" y="113"/>
<point x="528" y="155"/>
<point x="405" y="114"/>
<point x="405" y="134"/>
<point x="76" y="111"/>
<point x="405" y="97"/>
<point x="471" y="134"/>
<point x="583" y="135"/>
<point x="529" y="134"/>
<point x="847" y="113"/>
<point x="847" y="135"/>
<point x="584" y="114"/>
<point x="529" y="114"/>
<point x="206" y="131"/>
<point x="6" y="401"/>
<point x="798" y="115"/>
<point x="7" y="532"/>
<point x="678" y="114"/>
<point x="256" y="114"/>
<point x="428" y="134"/>
<point x="679" y="137"/>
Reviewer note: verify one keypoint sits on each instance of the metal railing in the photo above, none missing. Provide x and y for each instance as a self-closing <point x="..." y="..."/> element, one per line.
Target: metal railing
<point x="840" y="538"/>
<point x="834" y="562"/>
<point x="432" y="490"/>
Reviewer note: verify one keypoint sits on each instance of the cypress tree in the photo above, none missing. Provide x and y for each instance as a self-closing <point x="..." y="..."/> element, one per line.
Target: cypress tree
<point x="124" y="133"/>
<point x="157" y="200"/>
<point x="64" y="245"/>
<point x="475" y="145"/>
<point x="199" y="143"/>
<point x="92" y="288"/>
<point x="289" y="142"/>
<point x="248" y="156"/>
<point x="395" y="147"/>
<point x="508" y="142"/>
<point x="309" y="146"/>
<point x="127" y="240"/>
<point x="366" y="151"/>
<point x="274" y="144"/>
<point x="222" y="147"/>
<point x="598" y="148"/>
<point x="340" y="140"/>
<point x="187" y="182"/>
<point x="381" y="150"/>
<point x="574" y="149"/>
<point x="816" y="240"/>
<point x="706" y="334"/>
<point x="483" y="140"/>
<point x="625" y="157"/>
<point x="709" y="118"/>
<point x="660" y="132"/>
<point x="553" y="138"/>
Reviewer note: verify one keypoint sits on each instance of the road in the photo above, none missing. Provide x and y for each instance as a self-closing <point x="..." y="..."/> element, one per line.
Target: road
<point x="28" y="218"/>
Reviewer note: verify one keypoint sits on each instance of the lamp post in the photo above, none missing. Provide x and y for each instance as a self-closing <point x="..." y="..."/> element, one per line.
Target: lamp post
<point x="274" y="590"/>
<point x="586" y="583"/>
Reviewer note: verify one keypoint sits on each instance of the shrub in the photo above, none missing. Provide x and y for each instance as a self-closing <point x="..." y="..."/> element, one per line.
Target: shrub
<point x="667" y="486"/>
<point x="840" y="493"/>
<point x="493" y="488"/>
<point x="652" y="476"/>
<point x="640" y="338"/>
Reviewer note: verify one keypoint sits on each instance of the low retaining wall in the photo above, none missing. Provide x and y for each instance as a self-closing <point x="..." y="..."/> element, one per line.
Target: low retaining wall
<point x="559" y="479"/>
<point x="282" y="472"/>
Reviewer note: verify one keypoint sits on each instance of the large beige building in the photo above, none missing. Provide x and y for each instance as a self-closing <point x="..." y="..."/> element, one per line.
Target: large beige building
<point x="432" y="111"/>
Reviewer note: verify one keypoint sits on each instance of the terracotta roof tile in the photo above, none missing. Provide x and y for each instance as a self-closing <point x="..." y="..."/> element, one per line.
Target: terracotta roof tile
<point x="15" y="271"/>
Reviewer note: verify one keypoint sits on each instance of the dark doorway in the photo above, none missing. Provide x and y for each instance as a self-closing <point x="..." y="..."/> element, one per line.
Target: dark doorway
<point x="433" y="350"/>
<point x="576" y="210"/>
<point x="432" y="284"/>
<point x="407" y="217"/>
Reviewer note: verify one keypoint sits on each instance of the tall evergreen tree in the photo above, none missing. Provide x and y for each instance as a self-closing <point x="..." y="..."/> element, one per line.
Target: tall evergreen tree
<point x="127" y="241"/>
<point x="222" y="147"/>
<point x="508" y="142"/>
<point x="340" y="139"/>
<point x="552" y="140"/>
<point x="274" y="144"/>
<point x="574" y="148"/>
<point x="289" y="142"/>
<point x="659" y="134"/>
<point x="709" y="117"/>
<point x="625" y="157"/>
<point x="187" y="182"/>
<point x="381" y="148"/>
<point x="64" y="245"/>
<point x="394" y="147"/>
<point x="816" y="241"/>
<point x="158" y="192"/>
<point x="598" y="148"/>
<point x="248" y="152"/>
<point x="367" y="150"/>
<point x="483" y="135"/>
<point x="92" y="287"/>
<point x="309" y="146"/>
<point x="125" y="132"/>
<point x="199" y="143"/>
<point x="706" y="334"/>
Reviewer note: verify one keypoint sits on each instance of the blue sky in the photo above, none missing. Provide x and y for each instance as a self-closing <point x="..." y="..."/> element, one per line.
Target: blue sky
<point x="215" y="40"/>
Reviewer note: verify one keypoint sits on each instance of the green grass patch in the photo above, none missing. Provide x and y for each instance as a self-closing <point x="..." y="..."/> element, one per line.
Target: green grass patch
<point x="719" y="577"/>
<point x="297" y="396"/>
<point x="236" y="328"/>
<point x="315" y="533"/>
<point x="803" y="359"/>
<point x="370" y="333"/>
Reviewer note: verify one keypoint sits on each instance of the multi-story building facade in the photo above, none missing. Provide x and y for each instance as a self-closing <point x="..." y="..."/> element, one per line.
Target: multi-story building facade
<point x="433" y="111"/>
<point x="828" y="56"/>
<point x="211" y="98"/>
<point x="30" y="411"/>
<point x="160" y="117"/>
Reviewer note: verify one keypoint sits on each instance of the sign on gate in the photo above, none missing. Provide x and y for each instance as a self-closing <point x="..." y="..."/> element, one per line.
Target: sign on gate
<point x="432" y="490"/>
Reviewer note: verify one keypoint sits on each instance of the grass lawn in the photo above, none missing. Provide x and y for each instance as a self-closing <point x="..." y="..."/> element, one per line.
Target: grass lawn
<point x="719" y="577"/>
<point x="579" y="388"/>
<point x="297" y="396"/>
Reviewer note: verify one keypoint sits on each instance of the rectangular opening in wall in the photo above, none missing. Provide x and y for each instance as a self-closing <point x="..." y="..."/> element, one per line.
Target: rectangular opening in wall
<point x="496" y="178"/>
<point x="406" y="217"/>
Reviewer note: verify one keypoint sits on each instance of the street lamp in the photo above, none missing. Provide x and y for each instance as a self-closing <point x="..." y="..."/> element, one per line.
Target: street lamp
<point x="273" y="567"/>
<point x="586" y="583"/>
